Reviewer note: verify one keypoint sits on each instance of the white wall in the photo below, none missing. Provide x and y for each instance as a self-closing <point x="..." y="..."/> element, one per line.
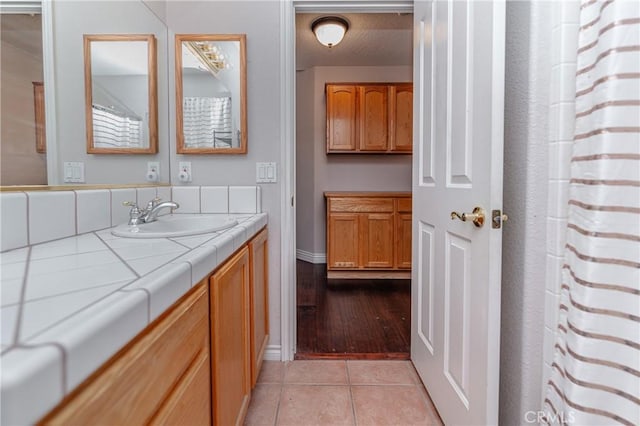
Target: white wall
<point x="72" y="19"/>
<point x="338" y="172"/>
<point x="527" y="89"/>
<point x="260" y="21"/>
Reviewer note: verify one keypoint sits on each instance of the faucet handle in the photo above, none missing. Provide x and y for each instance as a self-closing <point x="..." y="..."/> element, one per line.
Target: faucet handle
<point x="131" y="204"/>
<point x="154" y="202"/>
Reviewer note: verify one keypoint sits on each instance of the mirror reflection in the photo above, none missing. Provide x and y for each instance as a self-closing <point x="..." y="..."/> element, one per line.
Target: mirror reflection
<point x="22" y="151"/>
<point x="211" y="94"/>
<point x="121" y="100"/>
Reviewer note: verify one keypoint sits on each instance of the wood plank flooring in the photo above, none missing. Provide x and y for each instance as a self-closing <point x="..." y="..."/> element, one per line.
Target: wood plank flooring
<point x="351" y="319"/>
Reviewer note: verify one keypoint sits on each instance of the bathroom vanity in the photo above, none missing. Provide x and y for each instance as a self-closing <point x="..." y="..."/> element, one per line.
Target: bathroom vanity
<point x="117" y="330"/>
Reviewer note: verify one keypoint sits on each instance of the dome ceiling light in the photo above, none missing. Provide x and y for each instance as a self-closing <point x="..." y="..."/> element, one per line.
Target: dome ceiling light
<point x="329" y="30"/>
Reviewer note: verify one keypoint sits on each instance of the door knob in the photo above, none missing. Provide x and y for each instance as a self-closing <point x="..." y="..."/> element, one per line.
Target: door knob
<point x="477" y="216"/>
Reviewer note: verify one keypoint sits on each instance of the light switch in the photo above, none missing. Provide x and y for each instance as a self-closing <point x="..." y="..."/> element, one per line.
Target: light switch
<point x="266" y="173"/>
<point x="74" y="172"/>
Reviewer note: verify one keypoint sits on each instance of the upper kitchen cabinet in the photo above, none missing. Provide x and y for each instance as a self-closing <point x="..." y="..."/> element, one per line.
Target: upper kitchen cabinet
<point x="369" y="118"/>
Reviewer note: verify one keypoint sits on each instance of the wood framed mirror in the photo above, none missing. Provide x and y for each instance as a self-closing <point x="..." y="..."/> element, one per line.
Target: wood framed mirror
<point x="211" y="94"/>
<point x="121" y="101"/>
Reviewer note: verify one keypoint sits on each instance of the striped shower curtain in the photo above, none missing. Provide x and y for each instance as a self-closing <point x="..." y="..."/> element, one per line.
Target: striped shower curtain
<point x="596" y="370"/>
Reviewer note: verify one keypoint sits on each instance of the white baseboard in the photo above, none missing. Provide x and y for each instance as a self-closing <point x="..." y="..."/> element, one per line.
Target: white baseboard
<point x="273" y="353"/>
<point x="307" y="256"/>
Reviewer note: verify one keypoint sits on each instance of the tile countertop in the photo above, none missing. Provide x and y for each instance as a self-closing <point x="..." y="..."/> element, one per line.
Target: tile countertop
<point x="68" y="305"/>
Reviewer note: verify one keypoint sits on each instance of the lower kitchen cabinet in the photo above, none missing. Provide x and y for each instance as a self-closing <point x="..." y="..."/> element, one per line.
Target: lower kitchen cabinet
<point x="368" y="234"/>
<point x="230" y="368"/>
<point x="162" y="376"/>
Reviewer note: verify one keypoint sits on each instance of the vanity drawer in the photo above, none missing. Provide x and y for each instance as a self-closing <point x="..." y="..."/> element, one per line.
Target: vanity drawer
<point x="135" y="384"/>
<point x="361" y="205"/>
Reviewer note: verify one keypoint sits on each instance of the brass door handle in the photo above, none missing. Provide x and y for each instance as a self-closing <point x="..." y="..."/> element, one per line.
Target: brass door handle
<point x="477" y="216"/>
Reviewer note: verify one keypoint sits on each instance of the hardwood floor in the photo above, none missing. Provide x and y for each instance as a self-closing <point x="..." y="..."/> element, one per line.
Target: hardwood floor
<point x="351" y="319"/>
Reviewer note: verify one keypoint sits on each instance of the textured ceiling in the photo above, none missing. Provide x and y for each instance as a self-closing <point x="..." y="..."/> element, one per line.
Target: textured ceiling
<point x="373" y="39"/>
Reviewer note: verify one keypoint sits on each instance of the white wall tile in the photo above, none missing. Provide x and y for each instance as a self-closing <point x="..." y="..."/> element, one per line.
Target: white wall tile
<point x="556" y="236"/>
<point x="554" y="273"/>
<point x="145" y="195"/>
<point x="243" y="199"/>
<point x="13" y="216"/>
<point x="164" y="192"/>
<point x="568" y="43"/>
<point x="9" y="318"/>
<point x="31" y="384"/>
<point x="552" y="303"/>
<point x="258" y="199"/>
<point x="215" y="199"/>
<point x="567" y="82"/>
<point x="52" y="215"/>
<point x="188" y="197"/>
<point x="566" y="120"/>
<point x="93" y="210"/>
<point x="120" y="213"/>
<point x="558" y="198"/>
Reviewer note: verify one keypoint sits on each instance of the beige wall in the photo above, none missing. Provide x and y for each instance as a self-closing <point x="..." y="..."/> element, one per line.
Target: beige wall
<point x="319" y="172"/>
<point x="21" y="62"/>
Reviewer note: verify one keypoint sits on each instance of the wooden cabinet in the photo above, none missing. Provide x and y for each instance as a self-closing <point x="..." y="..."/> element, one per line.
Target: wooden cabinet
<point x="230" y="351"/>
<point x="403" y="233"/>
<point x="195" y="364"/>
<point x="342" y="128"/>
<point x="401" y="117"/>
<point x="373" y="118"/>
<point x="259" y="294"/>
<point x="368" y="235"/>
<point x="369" y="118"/>
<point x="162" y="376"/>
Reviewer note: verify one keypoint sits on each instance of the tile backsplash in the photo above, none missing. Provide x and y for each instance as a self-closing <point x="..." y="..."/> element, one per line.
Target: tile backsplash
<point x="39" y="216"/>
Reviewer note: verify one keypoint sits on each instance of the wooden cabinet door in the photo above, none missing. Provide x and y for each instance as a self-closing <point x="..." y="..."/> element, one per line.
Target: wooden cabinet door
<point x="403" y="241"/>
<point x="401" y="117"/>
<point x="259" y="293"/>
<point x="140" y="380"/>
<point x="230" y="366"/>
<point x="341" y="118"/>
<point x="373" y="118"/>
<point x="343" y="240"/>
<point x="377" y="240"/>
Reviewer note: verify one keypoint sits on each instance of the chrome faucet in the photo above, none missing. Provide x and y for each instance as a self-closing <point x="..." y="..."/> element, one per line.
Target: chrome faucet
<point x="150" y="213"/>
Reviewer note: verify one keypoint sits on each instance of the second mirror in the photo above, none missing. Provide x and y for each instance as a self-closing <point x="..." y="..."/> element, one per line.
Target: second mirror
<point x="211" y="104"/>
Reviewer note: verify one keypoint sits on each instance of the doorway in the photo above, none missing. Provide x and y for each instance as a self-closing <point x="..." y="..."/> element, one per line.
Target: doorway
<point x="346" y="318"/>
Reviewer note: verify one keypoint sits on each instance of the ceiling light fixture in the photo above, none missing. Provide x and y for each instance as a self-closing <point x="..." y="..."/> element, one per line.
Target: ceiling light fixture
<point x="330" y="30"/>
<point x="210" y="55"/>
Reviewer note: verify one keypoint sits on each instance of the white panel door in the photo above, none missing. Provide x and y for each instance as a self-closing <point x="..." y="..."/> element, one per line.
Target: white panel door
<point x="457" y="165"/>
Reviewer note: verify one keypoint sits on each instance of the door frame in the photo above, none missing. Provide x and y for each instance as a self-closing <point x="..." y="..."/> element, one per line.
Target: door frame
<point x="288" y="10"/>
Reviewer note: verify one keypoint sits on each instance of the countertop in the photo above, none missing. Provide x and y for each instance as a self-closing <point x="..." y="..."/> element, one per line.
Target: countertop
<point x="68" y="305"/>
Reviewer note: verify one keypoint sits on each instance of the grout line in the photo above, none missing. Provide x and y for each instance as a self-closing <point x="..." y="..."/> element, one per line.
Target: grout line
<point x="118" y="256"/>
<point x="148" y="294"/>
<point x="28" y="220"/>
<point x="275" y="419"/>
<point x="23" y="293"/>
<point x="353" y="405"/>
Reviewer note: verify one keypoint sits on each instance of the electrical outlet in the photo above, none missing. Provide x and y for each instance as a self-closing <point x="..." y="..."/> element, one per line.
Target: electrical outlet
<point x="153" y="171"/>
<point x="184" y="171"/>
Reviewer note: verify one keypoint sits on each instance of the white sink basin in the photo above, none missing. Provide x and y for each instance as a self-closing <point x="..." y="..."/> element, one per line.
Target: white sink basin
<point x="175" y="225"/>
